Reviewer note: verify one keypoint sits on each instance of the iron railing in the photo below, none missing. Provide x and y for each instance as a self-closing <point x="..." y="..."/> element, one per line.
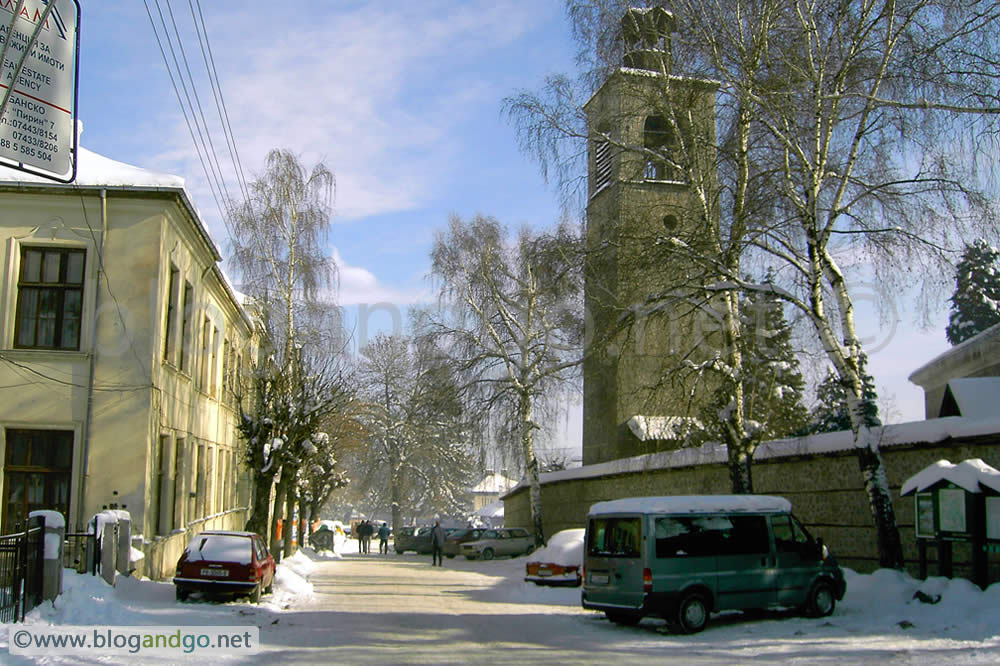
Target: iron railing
<point x="21" y="569"/>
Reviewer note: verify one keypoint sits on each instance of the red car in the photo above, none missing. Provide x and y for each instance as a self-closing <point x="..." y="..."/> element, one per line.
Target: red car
<point x="560" y="562"/>
<point x="225" y="564"/>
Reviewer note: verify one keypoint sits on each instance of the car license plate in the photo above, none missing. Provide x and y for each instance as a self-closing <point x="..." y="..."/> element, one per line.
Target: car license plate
<point x="599" y="579"/>
<point x="218" y="573"/>
<point x="544" y="572"/>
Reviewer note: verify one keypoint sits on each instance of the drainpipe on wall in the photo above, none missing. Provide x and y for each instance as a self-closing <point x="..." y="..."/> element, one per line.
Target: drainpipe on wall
<point x="85" y="453"/>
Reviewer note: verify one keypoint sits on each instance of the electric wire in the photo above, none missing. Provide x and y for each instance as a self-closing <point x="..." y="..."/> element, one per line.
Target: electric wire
<point x="210" y="149"/>
<point x="180" y="101"/>
<point x="220" y="101"/>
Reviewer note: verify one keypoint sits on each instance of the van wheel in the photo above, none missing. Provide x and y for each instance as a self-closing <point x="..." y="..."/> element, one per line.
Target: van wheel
<point x="692" y="613"/>
<point x="624" y="619"/>
<point x="821" y="600"/>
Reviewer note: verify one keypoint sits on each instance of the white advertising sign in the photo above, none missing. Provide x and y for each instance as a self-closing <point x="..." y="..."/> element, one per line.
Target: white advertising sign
<point x="39" y="81"/>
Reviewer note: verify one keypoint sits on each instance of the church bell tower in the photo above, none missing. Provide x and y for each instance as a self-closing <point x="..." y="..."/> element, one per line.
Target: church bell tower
<point x="651" y="160"/>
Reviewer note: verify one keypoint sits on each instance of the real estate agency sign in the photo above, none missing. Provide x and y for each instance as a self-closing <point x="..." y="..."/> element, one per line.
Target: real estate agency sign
<point x="39" y="43"/>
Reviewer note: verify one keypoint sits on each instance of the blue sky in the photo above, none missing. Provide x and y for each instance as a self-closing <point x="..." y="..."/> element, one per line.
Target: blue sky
<point x="400" y="99"/>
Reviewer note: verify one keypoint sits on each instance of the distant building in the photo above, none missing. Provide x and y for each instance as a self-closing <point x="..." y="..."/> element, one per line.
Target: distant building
<point x="964" y="380"/>
<point x="121" y="349"/>
<point x="490" y="489"/>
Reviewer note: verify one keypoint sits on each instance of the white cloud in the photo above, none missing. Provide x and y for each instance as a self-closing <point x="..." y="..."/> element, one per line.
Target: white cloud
<point x="359" y="286"/>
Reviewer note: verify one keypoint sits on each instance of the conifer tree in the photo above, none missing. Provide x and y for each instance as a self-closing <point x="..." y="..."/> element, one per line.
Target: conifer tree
<point x="975" y="306"/>
<point x="831" y="413"/>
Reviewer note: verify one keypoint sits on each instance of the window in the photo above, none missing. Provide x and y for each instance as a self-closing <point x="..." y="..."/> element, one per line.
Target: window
<point x="227" y="368"/>
<point x="188" y="313"/>
<point x="213" y="362"/>
<point x="36" y="473"/>
<point x="603" y="156"/>
<point x="180" y="455"/>
<point x="169" y="326"/>
<point x="658" y="136"/>
<point x="789" y="535"/>
<point x="705" y="536"/>
<point x="614" y="537"/>
<point x="164" y="496"/>
<point x="50" y="298"/>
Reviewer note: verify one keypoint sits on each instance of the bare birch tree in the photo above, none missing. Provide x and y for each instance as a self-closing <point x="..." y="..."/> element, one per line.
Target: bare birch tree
<point x="511" y="323"/>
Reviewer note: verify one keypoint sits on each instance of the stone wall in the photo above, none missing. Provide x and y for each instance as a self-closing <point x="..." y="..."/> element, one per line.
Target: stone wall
<point x="825" y="490"/>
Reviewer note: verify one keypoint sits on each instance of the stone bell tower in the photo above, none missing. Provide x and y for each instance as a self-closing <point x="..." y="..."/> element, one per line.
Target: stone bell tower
<point x="652" y="138"/>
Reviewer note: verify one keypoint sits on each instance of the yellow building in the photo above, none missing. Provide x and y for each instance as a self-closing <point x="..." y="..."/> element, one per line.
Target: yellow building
<point x="121" y="349"/>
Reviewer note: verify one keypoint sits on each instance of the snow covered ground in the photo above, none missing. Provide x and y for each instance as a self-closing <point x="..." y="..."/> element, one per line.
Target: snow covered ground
<point x="879" y="619"/>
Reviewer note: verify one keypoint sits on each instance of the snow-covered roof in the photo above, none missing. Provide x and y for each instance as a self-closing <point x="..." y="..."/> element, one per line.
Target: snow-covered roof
<point x="916" y="432"/>
<point x="94" y="170"/>
<point x="976" y="397"/>
<point x="491" y="510"/>
<point x="694" y="504"/>
<point x="493" y="484"/>
<point x="647" y="428"/>
<point x="972" y="475"/>
<point x="966" y="352"/>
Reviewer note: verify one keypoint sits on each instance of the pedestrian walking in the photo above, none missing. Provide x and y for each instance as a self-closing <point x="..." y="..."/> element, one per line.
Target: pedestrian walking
<point x="437" y="543"/>
<point x="367" y="538"/>
<point x="383" y="539"/>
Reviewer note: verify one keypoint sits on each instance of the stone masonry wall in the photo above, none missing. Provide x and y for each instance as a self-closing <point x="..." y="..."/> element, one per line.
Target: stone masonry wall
<point x="825" y="490"/>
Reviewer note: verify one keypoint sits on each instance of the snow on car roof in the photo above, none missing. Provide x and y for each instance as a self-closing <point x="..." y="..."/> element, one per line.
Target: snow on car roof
<point x="693" y="504"/>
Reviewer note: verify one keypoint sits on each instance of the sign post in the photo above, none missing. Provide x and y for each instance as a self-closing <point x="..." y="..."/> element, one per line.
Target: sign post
<point x="39" y="44"/>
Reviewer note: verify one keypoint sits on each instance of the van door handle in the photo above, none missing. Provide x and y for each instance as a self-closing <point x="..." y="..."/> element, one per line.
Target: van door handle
<point x="618" y="575"/>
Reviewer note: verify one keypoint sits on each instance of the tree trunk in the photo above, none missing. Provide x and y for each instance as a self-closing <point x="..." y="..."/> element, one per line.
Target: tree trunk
<point x="261" y="503"/>
<point x="526" y="428"/>
<point x="287" y="547"/>
<point x="890" y="547"/>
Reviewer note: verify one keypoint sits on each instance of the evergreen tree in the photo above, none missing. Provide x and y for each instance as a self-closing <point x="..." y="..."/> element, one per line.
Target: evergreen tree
<point x="831" y="413"/>
<point x="773" y="386"/>
<point x="975" y="306"/>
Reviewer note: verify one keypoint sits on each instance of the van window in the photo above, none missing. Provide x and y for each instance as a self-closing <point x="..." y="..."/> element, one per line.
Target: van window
<point x="613" y="537"/>
<point x="702" y="536"/>
<point x="789" y="535"/>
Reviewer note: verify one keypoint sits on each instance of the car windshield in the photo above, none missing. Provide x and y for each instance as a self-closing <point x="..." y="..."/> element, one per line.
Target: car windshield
<point x="220" y="548"/>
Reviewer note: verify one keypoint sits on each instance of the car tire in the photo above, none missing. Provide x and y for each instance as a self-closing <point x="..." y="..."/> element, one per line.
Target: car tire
<point x="255" y="594"/>
<point x="624" y="619"/>
<point x="692" y="613"/>
<point x="488" y="554"/>
<point x="182" y="595"/>
<point x="270" y="587"/>
<point x="821" y="600"/>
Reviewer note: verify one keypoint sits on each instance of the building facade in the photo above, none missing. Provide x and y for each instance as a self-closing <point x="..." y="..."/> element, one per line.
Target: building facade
<point x="122" y="347"/>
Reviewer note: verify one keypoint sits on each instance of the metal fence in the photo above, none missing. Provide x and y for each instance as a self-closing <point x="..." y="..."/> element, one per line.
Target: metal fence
<point x="21" y="558"/>
<point x="81" y="552"/>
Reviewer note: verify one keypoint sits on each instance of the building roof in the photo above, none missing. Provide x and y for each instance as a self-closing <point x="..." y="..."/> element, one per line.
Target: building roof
<point x="973" y="397"/>
<point x="951" y="363"/>
<point x="493" y="484"/>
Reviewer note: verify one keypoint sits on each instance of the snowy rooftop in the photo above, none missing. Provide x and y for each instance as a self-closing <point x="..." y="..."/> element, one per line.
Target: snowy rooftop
<point x="491" y="510"/>
<point x="694" y="504"/>
<point x="93" y="170"/>
<point x="932" y="431"/>
<point x="965" y="352"/>
<point x="972" y="475"/>
<point x="976" y="397"/>
<point x="494" y="483"/>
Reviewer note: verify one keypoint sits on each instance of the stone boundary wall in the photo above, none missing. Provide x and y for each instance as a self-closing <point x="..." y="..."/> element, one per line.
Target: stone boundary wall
<point x="825" y="489"/>
<point x="161" y="555"/>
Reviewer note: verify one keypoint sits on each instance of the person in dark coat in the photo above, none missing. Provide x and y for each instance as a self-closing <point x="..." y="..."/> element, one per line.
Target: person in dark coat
<point x="437" y="543"/>
<point x="383" y="539"/>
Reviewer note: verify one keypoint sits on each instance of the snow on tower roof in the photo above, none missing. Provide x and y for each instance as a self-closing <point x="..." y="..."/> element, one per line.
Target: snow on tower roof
<point x="972" y="475"/>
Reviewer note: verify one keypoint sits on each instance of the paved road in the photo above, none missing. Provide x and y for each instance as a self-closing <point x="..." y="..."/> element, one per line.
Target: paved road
<point x="398" y="609"/>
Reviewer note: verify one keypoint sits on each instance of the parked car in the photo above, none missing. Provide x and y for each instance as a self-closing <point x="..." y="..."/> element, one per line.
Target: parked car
<point x="225" y="564"/>
<point x="417" y="539"/>
<point x="511" y="541"/>
<point x="682" y="558"/>
<point x="559" y="562"/>
<point x="453" y="544"/>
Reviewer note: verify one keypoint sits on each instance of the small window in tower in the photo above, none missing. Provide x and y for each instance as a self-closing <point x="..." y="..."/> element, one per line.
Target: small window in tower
<point x="670" y="223"/>
<point x="659" y="138"/>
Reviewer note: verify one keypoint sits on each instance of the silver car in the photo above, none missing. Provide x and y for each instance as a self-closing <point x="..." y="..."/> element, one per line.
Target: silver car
<point x="512" y="541"/>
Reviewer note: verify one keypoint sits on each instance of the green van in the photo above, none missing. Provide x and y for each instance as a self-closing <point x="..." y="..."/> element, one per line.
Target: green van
<point x="682" y="558"/>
